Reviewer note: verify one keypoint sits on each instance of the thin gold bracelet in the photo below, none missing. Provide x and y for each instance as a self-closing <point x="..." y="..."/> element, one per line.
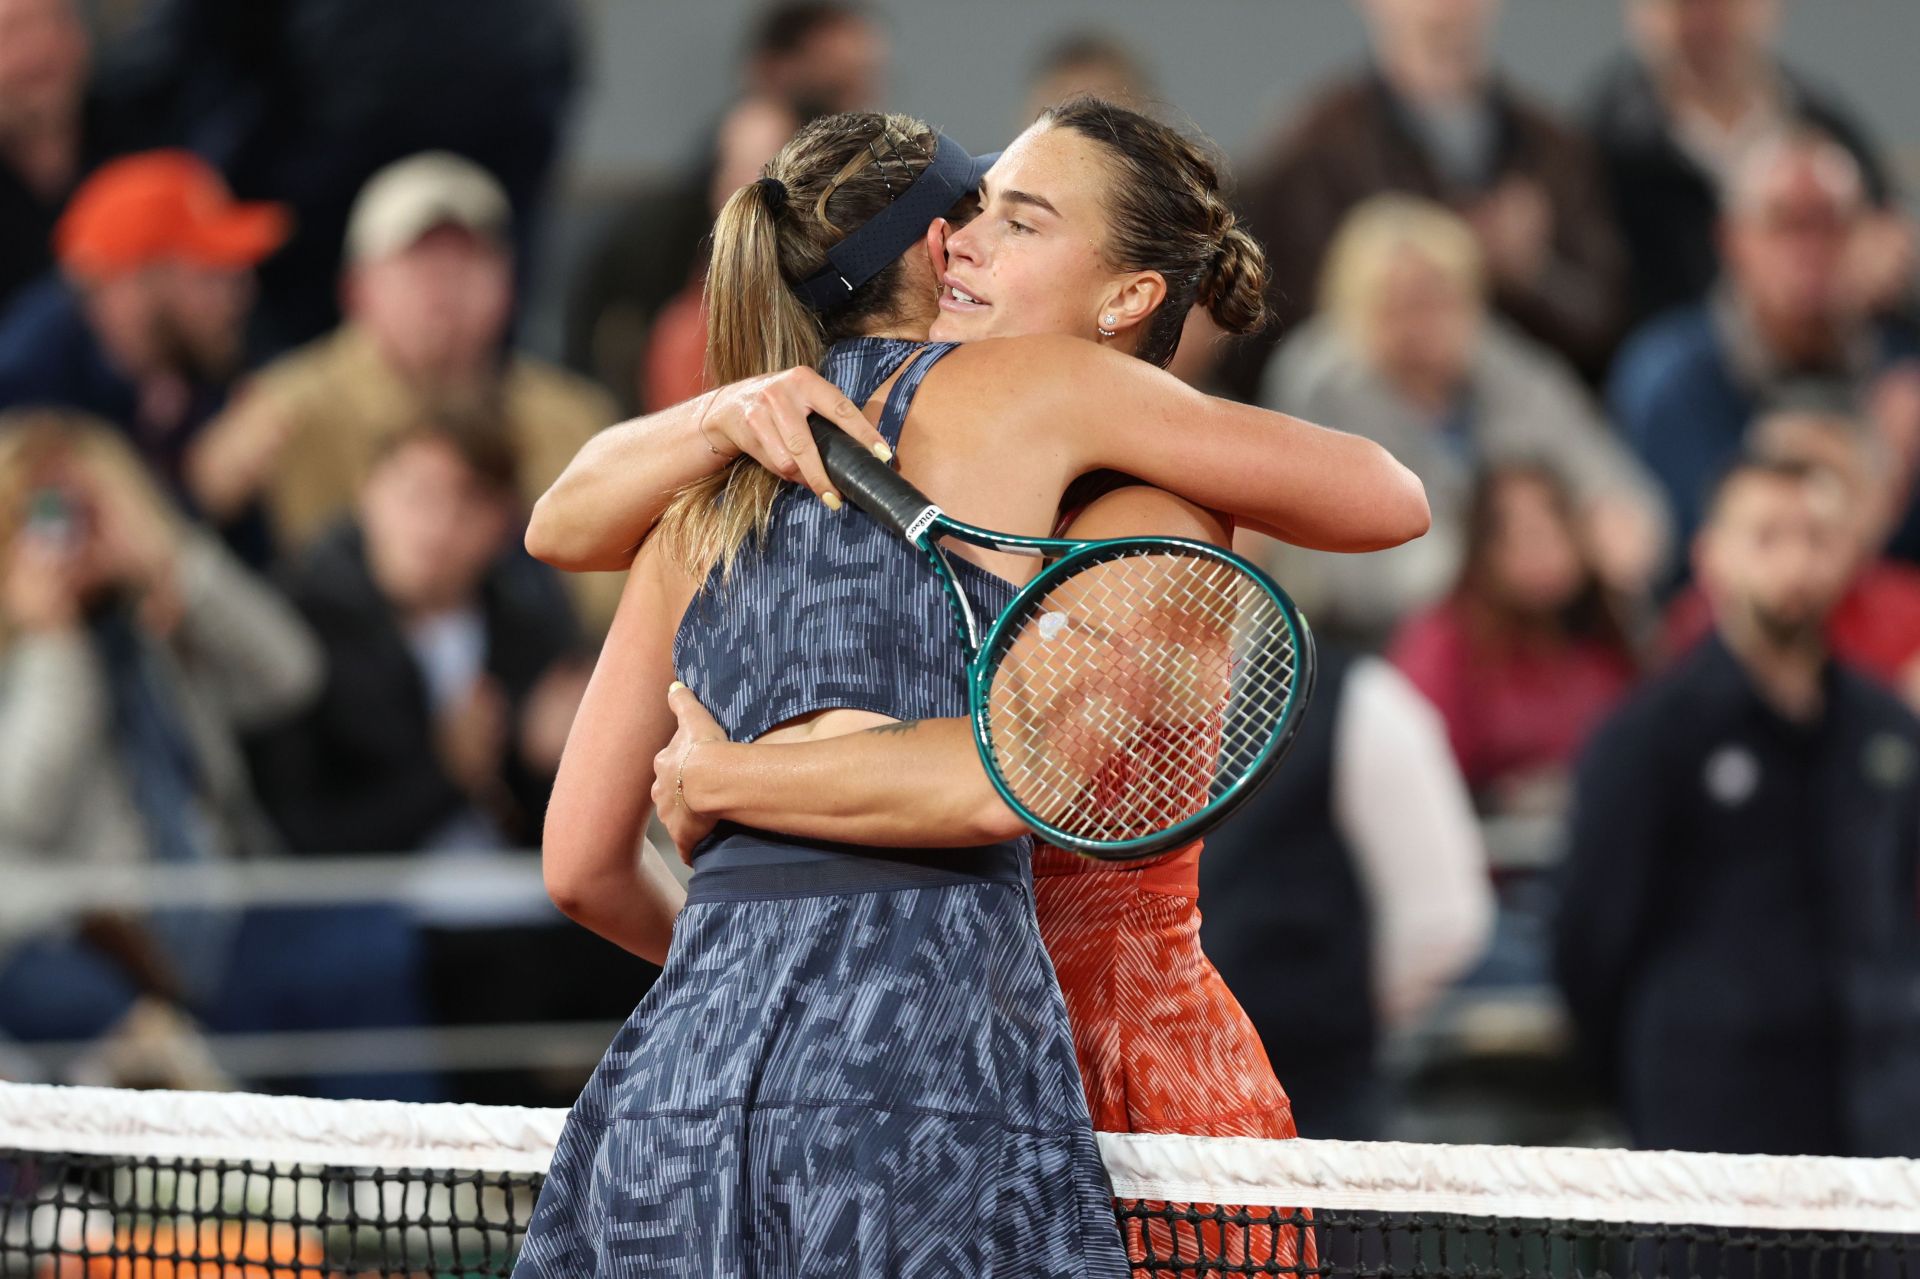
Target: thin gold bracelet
<point x="701" y="425"/>
<point x="680" y="776"/>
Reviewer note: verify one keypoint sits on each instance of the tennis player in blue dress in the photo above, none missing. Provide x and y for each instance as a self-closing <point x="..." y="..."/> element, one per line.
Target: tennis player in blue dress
<point x="856" y="1062"/>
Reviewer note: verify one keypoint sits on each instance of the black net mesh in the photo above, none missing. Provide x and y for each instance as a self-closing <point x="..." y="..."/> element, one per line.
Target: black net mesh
<point x="107" y="1217"/>
<point x="1185" y="1240"/>
<point x="365" y="1189"/>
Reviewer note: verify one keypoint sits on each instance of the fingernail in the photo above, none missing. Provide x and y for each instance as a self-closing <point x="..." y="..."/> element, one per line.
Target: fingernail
<point x="832" y="499"/>
<point x="883" y="451"/>
<point x="675" y="687"/>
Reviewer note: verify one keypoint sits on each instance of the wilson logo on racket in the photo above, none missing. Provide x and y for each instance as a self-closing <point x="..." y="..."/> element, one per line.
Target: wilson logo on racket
<point x="921" y="523"/>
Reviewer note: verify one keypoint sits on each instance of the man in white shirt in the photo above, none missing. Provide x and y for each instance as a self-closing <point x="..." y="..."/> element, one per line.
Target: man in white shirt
<point x="1346" y="895"/>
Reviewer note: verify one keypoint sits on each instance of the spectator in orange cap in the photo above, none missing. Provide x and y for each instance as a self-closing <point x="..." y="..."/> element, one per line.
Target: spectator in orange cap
<point x="143" y="324"/>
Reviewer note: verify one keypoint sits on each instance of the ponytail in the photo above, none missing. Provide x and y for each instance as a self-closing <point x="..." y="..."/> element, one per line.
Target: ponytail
<point x="835" y="175"/>
<point x="755" y="325"/>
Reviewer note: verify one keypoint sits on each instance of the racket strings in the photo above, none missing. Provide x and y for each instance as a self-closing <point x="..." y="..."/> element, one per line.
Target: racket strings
<point x="1136" y="691"/>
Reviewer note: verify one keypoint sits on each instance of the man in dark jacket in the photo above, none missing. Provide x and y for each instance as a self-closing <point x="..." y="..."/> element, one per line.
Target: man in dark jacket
<point x="1670" y="118"/>
<point x="447" y="648"/>
<point x="53" y="130"/>
<point x="1781" y="330"/>
<point x="454" y="670"/>
<point x="1433" y="118"/>
<point x="1737" y="939"/>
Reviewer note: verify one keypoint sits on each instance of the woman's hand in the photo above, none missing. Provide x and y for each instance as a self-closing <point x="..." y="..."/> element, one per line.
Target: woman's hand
<point x="136" y="547"/>
<point x="234" y="459"/>
<point x="42" y="587"/>
<point x="683" y="821"/>
<point x="766" y="419"/>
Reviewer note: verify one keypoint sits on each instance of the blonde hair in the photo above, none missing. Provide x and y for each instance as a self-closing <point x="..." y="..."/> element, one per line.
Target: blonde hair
<point x="33" y="440"/>
<point x="1373" y="235"/>
<point x="837" y="173"/>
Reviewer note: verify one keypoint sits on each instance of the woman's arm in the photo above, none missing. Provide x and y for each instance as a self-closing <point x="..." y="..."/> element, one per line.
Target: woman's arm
<point x="603" y="505"/>
<point x="1068" y="405"/>
<point x="1083" y="407"/>
<point x="56" y="720"/>
<point x="247" y="646"/>
<point x="918" y="784"/>
<point x="597" y="868"/>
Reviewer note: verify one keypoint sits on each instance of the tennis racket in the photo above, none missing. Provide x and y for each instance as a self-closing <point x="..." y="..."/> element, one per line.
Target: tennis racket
<point x="1133" y="694"/>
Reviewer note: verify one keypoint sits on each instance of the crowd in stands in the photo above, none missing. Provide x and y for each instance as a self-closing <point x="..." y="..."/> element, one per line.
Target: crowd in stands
<point x="267" y="441"/>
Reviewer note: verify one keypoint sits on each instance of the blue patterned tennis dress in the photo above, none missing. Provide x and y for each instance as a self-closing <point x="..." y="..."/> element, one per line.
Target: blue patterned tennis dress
<point x="856" y="1063"/>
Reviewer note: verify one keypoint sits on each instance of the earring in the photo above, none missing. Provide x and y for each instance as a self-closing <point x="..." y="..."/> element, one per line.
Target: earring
<point x="1106" y="327"/>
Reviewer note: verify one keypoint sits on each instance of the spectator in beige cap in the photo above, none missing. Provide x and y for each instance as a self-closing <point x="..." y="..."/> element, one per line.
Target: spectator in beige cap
<point x="427" y="292"/>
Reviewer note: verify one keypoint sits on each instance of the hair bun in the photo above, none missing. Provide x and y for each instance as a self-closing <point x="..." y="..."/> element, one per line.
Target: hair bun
<point x="1234" y="288"/>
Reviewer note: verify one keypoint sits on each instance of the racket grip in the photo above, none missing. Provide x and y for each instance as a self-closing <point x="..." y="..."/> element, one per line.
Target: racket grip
<point x="869" y="483"/>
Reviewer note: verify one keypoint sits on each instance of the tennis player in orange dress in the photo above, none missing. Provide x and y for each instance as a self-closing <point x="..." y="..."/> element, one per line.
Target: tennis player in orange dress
<point x="1163" y="1045"/>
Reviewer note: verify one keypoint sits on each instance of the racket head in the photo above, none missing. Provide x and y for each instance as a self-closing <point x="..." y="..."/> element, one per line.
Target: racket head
<point x="1137" y="692"/>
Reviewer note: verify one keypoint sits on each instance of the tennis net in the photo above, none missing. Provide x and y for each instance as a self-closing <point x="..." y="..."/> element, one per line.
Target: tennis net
<point x="98" y="1184"/>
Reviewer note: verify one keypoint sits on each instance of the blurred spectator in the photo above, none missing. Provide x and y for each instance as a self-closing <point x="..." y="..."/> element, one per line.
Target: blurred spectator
<point x="1782" y="328"/>
<point x="1432" y="117"/>
<point x="1373" y="908"/>
<point x="1529" y="652"/>
<point x="1091" y="63"/>
<point x="818" y="57"/>
<point x="135" y="650"/>
<point x="802" y="59"/>
<point x="1737" y="938"/>
<point x="144" y="325"/>
<point x="451" y="683"/>
<point x="673" y="367"/>
<point x="428" y="291"/>
<point x="1876" y="626"/>
<point x="302" y="101"/>
<point x="53" y="132"/>
<point x="455" y="670"/>
<point x="1671" y="117"/>
<point x="1404" y="351"/>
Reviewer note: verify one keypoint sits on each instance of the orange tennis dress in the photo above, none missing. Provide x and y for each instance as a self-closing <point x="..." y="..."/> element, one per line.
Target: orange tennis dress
<point x="1164" y="1046"/>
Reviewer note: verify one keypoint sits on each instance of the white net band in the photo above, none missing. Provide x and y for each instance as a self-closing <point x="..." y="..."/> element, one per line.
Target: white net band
<point x="277" y="1130"/>
<point x="1503" y="1182"/>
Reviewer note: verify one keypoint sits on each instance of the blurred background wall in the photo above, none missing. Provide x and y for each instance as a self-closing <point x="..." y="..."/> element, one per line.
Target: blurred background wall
<point x="1233" y="66"/>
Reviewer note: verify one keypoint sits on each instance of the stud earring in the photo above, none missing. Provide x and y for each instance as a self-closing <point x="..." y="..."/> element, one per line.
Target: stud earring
<point x="1106" y="327"/>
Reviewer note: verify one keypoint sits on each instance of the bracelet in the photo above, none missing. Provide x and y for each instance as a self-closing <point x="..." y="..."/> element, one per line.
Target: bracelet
<point x="701" y="425"/>
<point x="680" y="776"/>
